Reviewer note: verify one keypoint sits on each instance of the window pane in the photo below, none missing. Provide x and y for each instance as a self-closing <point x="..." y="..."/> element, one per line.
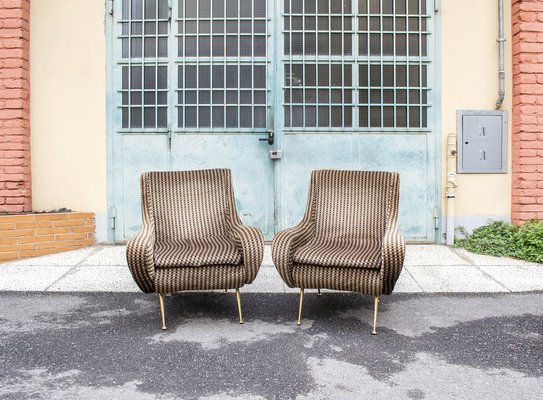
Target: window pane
<point x="204" y="117"/>
<point x="246" y="117"/>
<point x="135" y="117"/>
<point x="149" y="117"/>
<point x="191" y="114"/>
<point x="218" y="117"/>
<point x="231" y="117"/>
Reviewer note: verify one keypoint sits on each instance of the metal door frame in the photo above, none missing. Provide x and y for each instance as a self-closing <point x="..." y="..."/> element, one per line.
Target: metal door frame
<point x="113" y="100"/>
<point x="275" y="113"/>
<point x="434" y="136"/>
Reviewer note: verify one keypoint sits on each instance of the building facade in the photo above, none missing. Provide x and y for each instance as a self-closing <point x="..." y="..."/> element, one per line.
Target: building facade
<point x="96" y="92"/>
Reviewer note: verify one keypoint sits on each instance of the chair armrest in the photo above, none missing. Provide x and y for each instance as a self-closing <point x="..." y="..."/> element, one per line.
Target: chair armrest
<point x="140" y="258"/>
<point x="250" y="241"/>
<point x="392" y="258"/>
<point x="284" y="245"/>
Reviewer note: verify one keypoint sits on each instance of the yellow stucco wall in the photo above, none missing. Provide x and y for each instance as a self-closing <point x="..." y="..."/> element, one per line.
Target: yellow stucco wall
<point x="68" y="105"/>
<point x="469" y="73"/>
<point x="68" y="101"/>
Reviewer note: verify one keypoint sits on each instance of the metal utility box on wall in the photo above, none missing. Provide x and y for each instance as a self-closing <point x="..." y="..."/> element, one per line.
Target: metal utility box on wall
<point x="481" y="141"/>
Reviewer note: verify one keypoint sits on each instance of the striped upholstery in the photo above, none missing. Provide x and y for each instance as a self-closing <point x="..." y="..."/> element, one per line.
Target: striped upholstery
<point x="348" y="238"/>
<point x="214" y="250"/>
<point x="329" y="252"/>
<point x="170" y="280"/>
<point x="362" y="280"/>
<point x="191" y="236"/>
<point x="189" y="204"/>
<point x="351" y="204"/>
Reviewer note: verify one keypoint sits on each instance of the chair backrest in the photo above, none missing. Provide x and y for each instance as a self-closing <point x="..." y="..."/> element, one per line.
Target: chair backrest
<point x="354" y="204"/>
<point x="188" y="204"/>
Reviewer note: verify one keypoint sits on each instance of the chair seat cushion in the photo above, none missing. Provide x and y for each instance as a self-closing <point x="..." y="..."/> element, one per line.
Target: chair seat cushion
<point x="351" y="253"/>
<point x="363" y="280"/>
<point x="210" y="277"/>
<point x="215" y="250"/>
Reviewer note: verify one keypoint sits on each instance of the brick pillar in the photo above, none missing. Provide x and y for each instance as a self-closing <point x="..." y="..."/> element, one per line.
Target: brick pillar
<point x="15" y="181"/>
<point x="527" y="119"/>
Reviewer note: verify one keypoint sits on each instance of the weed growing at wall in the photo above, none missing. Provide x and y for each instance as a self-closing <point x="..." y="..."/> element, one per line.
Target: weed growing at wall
<point x="530" y="241"/>
<point x="499" y="238"/>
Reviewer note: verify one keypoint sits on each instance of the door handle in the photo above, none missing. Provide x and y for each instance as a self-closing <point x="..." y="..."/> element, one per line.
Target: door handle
<point x="269" y="139"/>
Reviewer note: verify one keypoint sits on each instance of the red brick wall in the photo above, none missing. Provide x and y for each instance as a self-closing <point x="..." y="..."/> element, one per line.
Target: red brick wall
<point x="527" y="120"/>
<point x="15" y="183"/>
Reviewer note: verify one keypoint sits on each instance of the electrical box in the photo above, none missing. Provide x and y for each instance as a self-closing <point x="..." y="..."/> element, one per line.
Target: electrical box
<point x="481" y="141"/>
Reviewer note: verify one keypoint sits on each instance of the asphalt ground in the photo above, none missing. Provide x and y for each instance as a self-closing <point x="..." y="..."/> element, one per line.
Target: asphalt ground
<point x="110" y="346"/>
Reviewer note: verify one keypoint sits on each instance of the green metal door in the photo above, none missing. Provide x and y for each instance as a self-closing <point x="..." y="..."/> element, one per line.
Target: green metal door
<point x="355" y="92"/>
<point x="341" y="84"/>
<point x="192" y="90"/>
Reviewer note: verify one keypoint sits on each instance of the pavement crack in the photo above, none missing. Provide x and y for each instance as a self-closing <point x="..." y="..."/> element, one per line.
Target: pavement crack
<point x="406" y="268"/>
<point x="493" y="279"/>
<point x="466" y="258"/>
<point x="462" y="255"/>
<point x="71" y="270"/>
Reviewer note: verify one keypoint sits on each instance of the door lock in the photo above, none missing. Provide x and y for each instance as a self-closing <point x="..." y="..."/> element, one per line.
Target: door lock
<point x="269" y="139"/>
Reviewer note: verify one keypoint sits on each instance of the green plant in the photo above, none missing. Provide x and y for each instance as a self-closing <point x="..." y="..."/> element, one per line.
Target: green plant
<point x="529" y="241"/>
<point x="499" y="238"/>
<point x="462" y="231"/>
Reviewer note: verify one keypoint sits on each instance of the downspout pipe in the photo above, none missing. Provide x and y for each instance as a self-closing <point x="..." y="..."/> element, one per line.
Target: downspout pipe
<point x="501" y="43"/>
<point x="451" y="187"/>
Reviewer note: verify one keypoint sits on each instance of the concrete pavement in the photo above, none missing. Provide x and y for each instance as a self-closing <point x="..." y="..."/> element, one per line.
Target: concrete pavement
<point x="428" y="269"/>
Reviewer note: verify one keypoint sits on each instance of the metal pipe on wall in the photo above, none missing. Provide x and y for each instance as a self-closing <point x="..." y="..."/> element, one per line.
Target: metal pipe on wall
<point x="501" y="43"/>
<point x="451" y="187"/>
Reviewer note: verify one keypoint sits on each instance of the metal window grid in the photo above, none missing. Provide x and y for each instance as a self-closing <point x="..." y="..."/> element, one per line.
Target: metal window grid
<point x="377" y="36"/>
<point x="355" y="39"/>
<point x="144" y="64"/>
<point x="229" y="37"/>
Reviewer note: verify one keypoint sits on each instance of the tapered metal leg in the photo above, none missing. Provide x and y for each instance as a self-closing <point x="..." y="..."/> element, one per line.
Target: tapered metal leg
<point x="319" y="292"/>
<point x="375" y="306"/>
<point x="225" y="291"/>
<point x="300" y="308"/>
<point x="239" y="307"/>
<point x="161" y="300"/>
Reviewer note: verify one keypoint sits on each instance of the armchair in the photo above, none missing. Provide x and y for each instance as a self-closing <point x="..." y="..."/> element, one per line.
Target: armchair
<point x="191" y="236"/>
<point x="348" y="239"/>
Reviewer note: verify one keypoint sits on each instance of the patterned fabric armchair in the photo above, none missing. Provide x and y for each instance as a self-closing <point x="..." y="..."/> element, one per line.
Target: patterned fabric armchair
<point x="348" y="238"/>
<point x="191" y="236"/>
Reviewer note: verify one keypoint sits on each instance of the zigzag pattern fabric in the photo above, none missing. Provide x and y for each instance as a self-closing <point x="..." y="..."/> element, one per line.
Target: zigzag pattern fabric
<point x="170" y="280"/>
<point x="348" y="279"/>
<point x="348" y="238"/>
<point x="189" y="204"/>
<point x="215" y="250"/>
<point x="191" y="236"/>
<point x="351" y="204"/>
<point x="330" y="252"/>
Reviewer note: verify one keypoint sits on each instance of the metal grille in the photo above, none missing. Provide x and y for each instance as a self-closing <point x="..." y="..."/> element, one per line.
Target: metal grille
<point x="393" y="63"/>
<point x="356" y="64"/>
<point x="222" y="64"/>
<point x="144" y="64"/>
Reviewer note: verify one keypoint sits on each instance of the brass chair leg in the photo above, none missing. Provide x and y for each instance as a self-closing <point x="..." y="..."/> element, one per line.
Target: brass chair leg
<point x="300" y="308"/>
<point x="161" y="300"/>
<point x="375" y="306"/>
<point x="239" y="307"/>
